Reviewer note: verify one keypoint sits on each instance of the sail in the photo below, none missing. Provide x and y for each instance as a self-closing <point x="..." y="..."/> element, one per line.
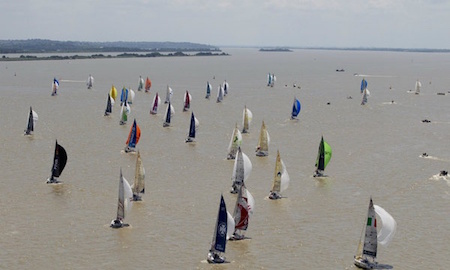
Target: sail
<point x="148" y="84"/>
<point x="226" y="87"/>
<point x="124" y="95"/>
<point x="169" y="113"/>
<point x="113" y="92"/>
<point x="108" y="109"/>
<point x="388" y="226"/>
<point x="131" y="95"/>
<point x="418" y="86"/>
<point x="155" y="104"/>
<point x="90" y="81"/>
<point x="187" y="101"/>
<point x="235" y="143"/>
<point x="363" y="84"/>
<point x="323" y="155"/>
<point x="281" y="177"/>
<point x="169" y="94"/>
<point x="247" y="117"/>
<point x="370" y="236"/>
<point x="124" y="111"/>
<point x="365" y="95"/>
<point x="296" y="107"/>
<point x="134" y="135"/>
<point x="59" y="160"/>
<point x="193" y="126"/>
<point x="139" y="177"/>
<point x="269" y="79"/>
<point x="243" y="209"/>
<point x="55" y="86"/>
<point x="208" y="89"/>
<point x="125" y="195"/>
<point x="220" y="232"/>
<point x="220" y="93"/>
<point x="241" y="169"/>
<point x="140" y="83"/>
<point x="32" y="120"/>
<point x="262" y="149"/>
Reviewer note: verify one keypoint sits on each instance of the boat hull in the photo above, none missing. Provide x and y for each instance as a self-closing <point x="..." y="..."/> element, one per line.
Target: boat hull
<point x="364" y="263"/>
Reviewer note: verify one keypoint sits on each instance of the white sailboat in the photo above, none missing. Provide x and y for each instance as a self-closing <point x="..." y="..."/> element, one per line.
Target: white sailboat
<point x="235" y="143"/>
<point x="138" y="186"/>
<point x="280" y="179"/>
<point x="243" y="210"/>
<point x="32" y="119"/>
<point x="247" y="117"/>
<point x="226" y="87"/>
<point x="417" y="87"/>
<point x="220" y="94"/>
<point x="141" y="83"/>
<point x="155" y="104"/>
<point x="124" y="112"/>
<point x="262" y="149"/>
<point x="90" y="81"/>
<point x="169" y="94"/>
<point x="123" y="204"/>
<point x="241" y="171"/>
<point x="372" y="234"/>
<point x="131" y="95"/>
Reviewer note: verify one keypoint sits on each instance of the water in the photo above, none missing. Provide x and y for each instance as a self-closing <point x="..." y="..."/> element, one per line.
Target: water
<point x="376" y="151"/>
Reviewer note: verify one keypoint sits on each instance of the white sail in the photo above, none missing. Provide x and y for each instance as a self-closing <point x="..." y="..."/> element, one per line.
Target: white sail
<point x="230" y="225"/>
<point x="247" y="168"/>
<point x="131" y="95"/>
<point x="418" y="86"/>
<point x="388" y="226"/>
<point x="112" y="101"/>
<point x="169" y="94"/>
<point x="247" y="117"/>
<point x="35" y="118"/>
<point x="284" y="177"/>
<point x="250" y="203"/>
<point x="128" y="194"/>
<point x="235" y="143"/>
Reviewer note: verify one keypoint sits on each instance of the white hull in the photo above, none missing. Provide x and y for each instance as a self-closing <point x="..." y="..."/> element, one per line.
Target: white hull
<point x="365" y="264"/>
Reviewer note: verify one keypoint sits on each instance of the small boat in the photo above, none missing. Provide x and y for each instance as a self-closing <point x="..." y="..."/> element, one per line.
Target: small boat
<point x="124" y="111"/>
<point x="187" y="101"/>
<point x="193" y="127"/>
<point x="262" y="149"/>
<point x="169" y="114"/>
<point x="296" y="107"/>
<point x="55" y="87"/>
<point x="141" y="83"/>
<point x="113" y="92"/>
<point x="241" y="171"/>
<point x="123" y="204"/>
<point x="133" y="138"/>
<point x="280" y="179"/>
<point x="109" y="103"/>
<point x="131" y="95"/>
<point x="418" y="87"/>
<point x="124" y="96"/>
<point x="363" y="85"/>
<point x="243" y="210"/>
<point x="155" y="104"/>
<point x="226" y="87"/>
<point x="59" y="162"/>
<point x="148" y="85"/>
<point x="323" y="158"/>
<point x="220" y="94"/>
<point x="208" y="90"/>
<point x="235" y="143"/>
<point x="32" y="119"/>
<point x="247" y="117"/>
<point x="138" y="186"/>
<point x="271" y="79"/>
<point x="90" y="81"/>
<point x="365" y="95"/>
<point x="372" y="234"/>
<point x="169" y="94"/>
<point x="219" y="240"/>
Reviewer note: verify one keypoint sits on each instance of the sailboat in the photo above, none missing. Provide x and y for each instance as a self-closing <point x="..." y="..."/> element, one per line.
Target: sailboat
<point x="109" y="103"/>
<point x="90" y="81"/>
<point x="280" y="179"/>
<point x="192" y="128"/>
<point x="133" y="138"/>
<point x="113" y="92"/>
<point x="373" y="234"/>
<point x="262" y="149"/>
<point x="365" y="95"/>
<point x="323" y="158"/>
<point x="169" y="94"/>
<point x="124" y="96"/>
<point x="363" y="85"/>
<point x="247" y="117"/>
<point x="155" y="104"/>
<point x="141" y="83"/>
<point x="59" y="162"/>
<point x="296" y="107"/>
<point x="243" y="210"/>
<point x="131" y="95"/>
<point x="235" y="143"/>
<point x="241" y="171"/>
<point x="32" y="119"/>
<point x="220" y="94"/>
<point x="226" y="87"/>
<point x="55" y="86"/>
<point x="138" y="186"/>
<point x="219" y="239"/>
<point x="418" y="86"/>
<point x="208" y="90"/>
<point x="187" y="101"/>
<point x="124" y="111"/>
<point x="169" y="113"/>
<point x="148" y="85"/>
<point x="123" y="204"/>
<point x="271" y="79"/>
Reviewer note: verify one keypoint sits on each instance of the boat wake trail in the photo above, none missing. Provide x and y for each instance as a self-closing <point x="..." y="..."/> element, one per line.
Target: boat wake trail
<point x="434" y="158"/>
<point x="438" y="177"/>
<point x="373" y="76"/>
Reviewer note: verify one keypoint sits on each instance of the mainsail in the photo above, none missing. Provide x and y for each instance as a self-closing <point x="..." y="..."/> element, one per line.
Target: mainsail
<point x="32" y="119"/>
<point x="241" y="171"/>
<point x="169" y="113"/>
<point x="418" y="86"/>
<point x="169" y="94"/>
<point x="155" y="104"/>
<point x="148" y="84"/>
<point x="220" y="94"/>
<point x="208" y="90"/>
<point x="138" y="187"/>
<point x="280" y="180"/>
<point x="192" y="128"/>
<point x="323" y="157"/>
<point x="59" y="162"/>
<point x="140" y="83"/>
<point x="235" y="143"/>
<point x="125" y="195"/>
<point x="108" y="109"/>
<point x="124" y="111"/>
<point x="363" y="85"/>
<point x="219" y="240"/>
<point x="262" y="149"/>
<point x="187" y="101"/>
<point x="243" y="210"/>
<point x="247" y="117"/>
<point x="90" y="81"/>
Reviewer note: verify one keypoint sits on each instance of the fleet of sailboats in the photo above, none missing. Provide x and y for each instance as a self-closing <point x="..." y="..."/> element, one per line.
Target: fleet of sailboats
<point x="262" y="149"/>
<point x="123" y="203"/>
<point x="280" y="179"/>
<point x="323" y="158"/>
<point x="59" y="163"/>
<point x="372" y="234"/>
<point x="32" y="120"/>
<point x="138" y="186"/>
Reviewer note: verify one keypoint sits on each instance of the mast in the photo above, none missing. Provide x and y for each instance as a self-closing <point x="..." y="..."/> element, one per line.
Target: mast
<point x="370" y="236"/>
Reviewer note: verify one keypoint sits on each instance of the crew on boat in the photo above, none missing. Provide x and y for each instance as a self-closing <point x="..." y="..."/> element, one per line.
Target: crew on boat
<point x="443" y="173"/>
<point x="116" y="223"/>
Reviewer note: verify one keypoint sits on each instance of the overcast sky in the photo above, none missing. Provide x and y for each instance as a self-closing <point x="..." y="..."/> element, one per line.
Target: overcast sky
<point x="304" y="23"/>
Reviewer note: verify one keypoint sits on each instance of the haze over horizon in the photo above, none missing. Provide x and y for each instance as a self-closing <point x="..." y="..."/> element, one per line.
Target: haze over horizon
<point x="265" y="23"/>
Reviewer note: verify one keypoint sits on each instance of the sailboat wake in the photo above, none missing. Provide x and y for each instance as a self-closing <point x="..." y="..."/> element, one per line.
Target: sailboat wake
<point x="439" y="177"/>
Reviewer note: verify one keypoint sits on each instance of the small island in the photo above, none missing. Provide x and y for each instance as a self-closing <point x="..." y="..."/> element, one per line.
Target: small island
<point x="277" y="49"/>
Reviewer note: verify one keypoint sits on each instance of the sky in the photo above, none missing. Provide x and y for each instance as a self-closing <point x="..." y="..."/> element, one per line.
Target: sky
<point x="268" y="23"/>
